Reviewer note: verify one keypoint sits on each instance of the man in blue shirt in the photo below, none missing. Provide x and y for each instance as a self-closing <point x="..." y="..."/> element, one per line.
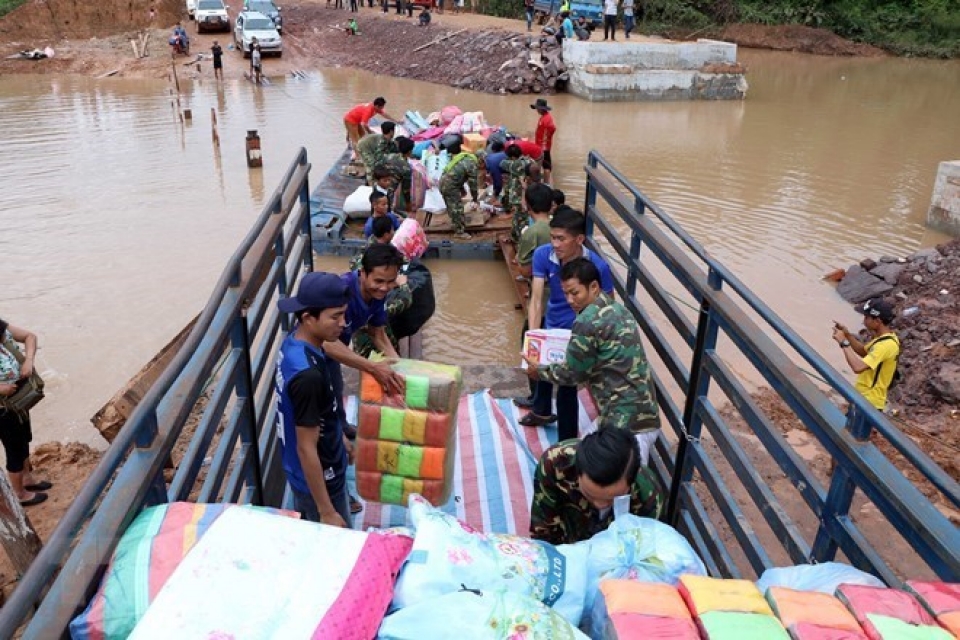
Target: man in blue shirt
<point x="493" y="160"/>
<point x="567" y="235"/>
<point x="314" y="451"/>
<point x="366" y="290"/>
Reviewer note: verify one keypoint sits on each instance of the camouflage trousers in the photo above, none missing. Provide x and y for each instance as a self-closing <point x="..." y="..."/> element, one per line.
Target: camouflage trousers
<point x="453" y="198"/>
<point x="520" y="220"/>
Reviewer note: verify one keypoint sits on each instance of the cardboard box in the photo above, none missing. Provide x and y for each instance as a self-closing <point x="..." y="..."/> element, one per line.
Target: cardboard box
<point x="546" y="346"/>
<point x="473" y="142"/>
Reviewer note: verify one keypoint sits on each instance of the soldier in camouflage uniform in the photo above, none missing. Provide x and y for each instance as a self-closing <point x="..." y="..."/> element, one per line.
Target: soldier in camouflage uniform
<point x="576" y="482"/>
<point x="374" y="147"/>
<point x="605" y="353"/>
<point x="460" y="171"/>
<point x="514" y="168"/>
<point x="398" y="164"/>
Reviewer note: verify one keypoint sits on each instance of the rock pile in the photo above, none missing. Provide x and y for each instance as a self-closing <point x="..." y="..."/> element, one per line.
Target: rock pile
<point x="926" y="288"/>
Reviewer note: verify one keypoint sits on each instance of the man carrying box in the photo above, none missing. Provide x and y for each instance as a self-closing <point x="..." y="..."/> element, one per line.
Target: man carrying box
<point x="606" y="354"/>
<point x="567" y="234"/>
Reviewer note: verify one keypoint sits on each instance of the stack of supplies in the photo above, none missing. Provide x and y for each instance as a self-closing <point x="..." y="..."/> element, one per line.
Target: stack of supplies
<point x="809" y="615"/>
<point x="941" y="599"/>
<point x="889" y="614"/>
<point x="730" y="609"/>
<point x="629" y="609"/>
<point x="407" y="444"/>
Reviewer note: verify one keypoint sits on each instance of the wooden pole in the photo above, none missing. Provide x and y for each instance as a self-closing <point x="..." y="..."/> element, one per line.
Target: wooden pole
<point x="136" y="51"/>
<point x="433" y="42"/>
<point x="17" y="535"/>
<point x="176" y="80"/>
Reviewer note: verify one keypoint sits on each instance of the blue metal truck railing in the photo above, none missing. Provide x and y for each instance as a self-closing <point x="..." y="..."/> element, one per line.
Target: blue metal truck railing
<point x="222" y="374"/>
<point x="728" y="309"/>
<point x="231" y="347"/>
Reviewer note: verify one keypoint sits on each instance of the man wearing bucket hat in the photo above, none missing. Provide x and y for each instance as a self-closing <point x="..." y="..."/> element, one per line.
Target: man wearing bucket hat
<point x="315" y="453"/>
<point x="874" y="361"/>
<point x="544" y="136"/>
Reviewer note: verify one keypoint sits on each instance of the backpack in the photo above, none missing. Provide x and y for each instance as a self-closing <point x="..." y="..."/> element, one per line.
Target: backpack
<point x="897" y="376"/>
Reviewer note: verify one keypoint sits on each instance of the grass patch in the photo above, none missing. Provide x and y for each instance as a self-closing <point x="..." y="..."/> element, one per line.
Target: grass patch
<point x="6" y="6"/>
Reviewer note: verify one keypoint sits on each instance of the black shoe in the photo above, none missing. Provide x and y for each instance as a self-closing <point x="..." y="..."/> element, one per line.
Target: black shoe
<point x="524" y="402"/>
<point x="355" y="505"/>
<point x="37" y="498"/>
<point x="533" y="420"/>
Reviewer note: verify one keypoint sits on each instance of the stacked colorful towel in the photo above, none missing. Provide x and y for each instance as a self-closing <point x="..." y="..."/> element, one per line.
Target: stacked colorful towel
<point x="809" y="615"/>
<point x="631" y="609"/>
<point x="941" y="599"/>
<point x="888" y="614"/>
<point x="406" y="444"/>
<point x="730" y="609"/>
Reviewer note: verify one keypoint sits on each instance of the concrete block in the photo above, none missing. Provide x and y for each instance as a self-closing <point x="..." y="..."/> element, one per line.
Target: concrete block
<point x="944" y="212"/>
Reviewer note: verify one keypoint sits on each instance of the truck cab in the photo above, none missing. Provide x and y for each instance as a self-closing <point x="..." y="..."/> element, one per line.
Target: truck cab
<point x="591" y="10"/>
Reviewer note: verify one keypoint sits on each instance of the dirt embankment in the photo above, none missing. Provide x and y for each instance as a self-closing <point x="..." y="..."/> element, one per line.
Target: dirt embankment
<point x="93" y="38"/>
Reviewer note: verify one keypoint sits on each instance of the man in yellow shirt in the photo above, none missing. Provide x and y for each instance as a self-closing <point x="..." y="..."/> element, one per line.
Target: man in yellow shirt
<point x="874" y="362"/>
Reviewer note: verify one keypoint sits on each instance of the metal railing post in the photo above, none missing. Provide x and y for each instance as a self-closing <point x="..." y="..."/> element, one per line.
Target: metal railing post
<point x="241" y="340"/>
<point x="697" y="387"/>
<point x="590" y="198"/>
<point x="305" y="227"/>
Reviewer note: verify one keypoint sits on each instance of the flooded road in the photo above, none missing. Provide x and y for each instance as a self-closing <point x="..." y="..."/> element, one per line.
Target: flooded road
<point x="117" y="218"/>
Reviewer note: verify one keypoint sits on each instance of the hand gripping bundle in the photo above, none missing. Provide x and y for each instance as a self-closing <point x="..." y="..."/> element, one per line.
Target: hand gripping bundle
<point x="407" y="444"/>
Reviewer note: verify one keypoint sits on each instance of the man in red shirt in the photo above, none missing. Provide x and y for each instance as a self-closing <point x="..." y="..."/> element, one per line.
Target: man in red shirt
<point x="356" y="121"/>
<point x="544" y="136"/>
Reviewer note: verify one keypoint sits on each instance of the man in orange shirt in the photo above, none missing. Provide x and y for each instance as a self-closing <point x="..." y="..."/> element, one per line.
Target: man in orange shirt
<point x="356" y="121"/>
<point x="544" y="136"/>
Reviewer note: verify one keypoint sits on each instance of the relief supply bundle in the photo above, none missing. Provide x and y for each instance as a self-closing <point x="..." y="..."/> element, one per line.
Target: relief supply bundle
<point x="407" y="444"/>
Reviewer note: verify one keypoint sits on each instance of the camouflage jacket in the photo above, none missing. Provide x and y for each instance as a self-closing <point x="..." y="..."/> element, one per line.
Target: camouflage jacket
<point x="561" y="515"/>
<point x="606" y="354"/>
<point x="372" y="149"/>
<point x="462" y="170"/>
<point x="400" y="169"/>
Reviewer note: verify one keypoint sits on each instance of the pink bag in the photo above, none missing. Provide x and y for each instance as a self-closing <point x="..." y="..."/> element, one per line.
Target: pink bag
<point x="410" y="239"/>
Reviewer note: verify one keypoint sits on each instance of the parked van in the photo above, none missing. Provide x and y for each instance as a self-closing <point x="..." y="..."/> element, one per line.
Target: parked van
<point x="592" y="10"/>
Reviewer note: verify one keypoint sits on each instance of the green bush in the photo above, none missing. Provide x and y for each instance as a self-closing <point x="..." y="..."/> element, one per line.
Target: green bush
<point x="6" y="6"/>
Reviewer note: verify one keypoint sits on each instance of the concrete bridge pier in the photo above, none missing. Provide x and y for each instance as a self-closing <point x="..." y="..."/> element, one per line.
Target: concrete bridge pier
<point x="944" y="212"/>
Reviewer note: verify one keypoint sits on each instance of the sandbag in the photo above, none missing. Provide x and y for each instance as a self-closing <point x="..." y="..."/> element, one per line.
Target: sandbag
<point x="824" y="577"/>
<point x="448" y="553"/>
<point x="256" y="575"/>
<point x="357" y="204"/>
<point x="478" y="615"/>
<point x="411" y="320"/>
<point x="730" y="625"/>
<point x="638" y="548"/>
<point x="407" y="444"/>
<point x="703" y="595"/>
<point x="863" y="601"/>
<point x="148" y="553"/>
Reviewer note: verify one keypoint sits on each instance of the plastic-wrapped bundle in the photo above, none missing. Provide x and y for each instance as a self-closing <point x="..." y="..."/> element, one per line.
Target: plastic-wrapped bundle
<point x="480" y="615"/>
<point x="448" y="554"/>
<point x="703" y="595"/>
<point x="798" y="607"/>
<point x="639" y="549"/>
<point x="407" y="444"/>
<point x="824" y="577"/>
<point x="942" y="599"/>
<point x="447" y="114"/>
<point x="867" y="603"/>
<point x="733" y="625"/>
<point x="627" y="609"/>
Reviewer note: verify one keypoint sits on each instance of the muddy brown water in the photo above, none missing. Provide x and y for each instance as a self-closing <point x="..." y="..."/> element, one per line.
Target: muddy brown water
<point x="117" y="219"/>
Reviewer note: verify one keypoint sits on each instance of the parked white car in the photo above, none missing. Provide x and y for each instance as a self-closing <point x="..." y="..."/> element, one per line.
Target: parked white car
<point x="211" y="15"/>
<point x="251" y="26"/>
<point x="191" y="8"/>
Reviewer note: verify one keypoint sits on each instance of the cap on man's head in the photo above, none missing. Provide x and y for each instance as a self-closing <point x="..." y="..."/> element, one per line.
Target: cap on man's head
<point x="879" y="308"/>
<point x="317" y="291"/>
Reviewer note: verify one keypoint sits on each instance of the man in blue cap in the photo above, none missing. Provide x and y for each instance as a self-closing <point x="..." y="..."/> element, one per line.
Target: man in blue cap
<point x="315" y="452"/>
